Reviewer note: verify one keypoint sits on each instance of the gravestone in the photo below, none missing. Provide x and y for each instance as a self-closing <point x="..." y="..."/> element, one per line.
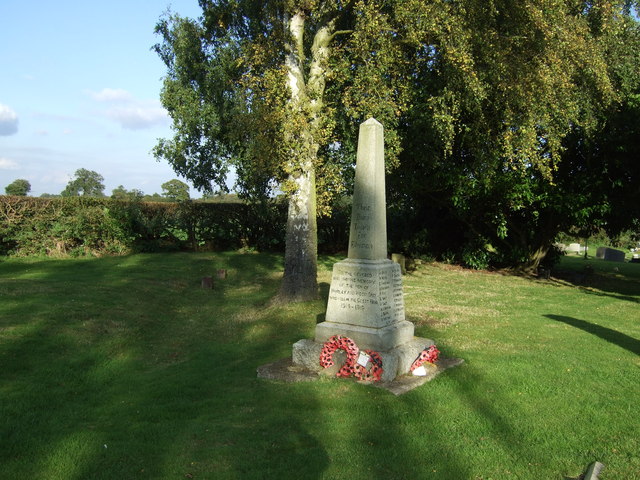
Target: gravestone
<point x="574" y="248"/>
<point x="400" y="260"/>
<point x="600" y="252"/>
<point x="366" y="302"/>
<point x="613" y="255"/>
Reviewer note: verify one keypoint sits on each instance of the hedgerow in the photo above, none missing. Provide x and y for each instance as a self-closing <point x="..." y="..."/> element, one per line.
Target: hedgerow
<point x="82" y="226"/>
<point x="79" y="226"/>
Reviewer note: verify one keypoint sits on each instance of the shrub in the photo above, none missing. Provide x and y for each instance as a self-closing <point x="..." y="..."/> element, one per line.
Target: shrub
<point x="102" y="226"/>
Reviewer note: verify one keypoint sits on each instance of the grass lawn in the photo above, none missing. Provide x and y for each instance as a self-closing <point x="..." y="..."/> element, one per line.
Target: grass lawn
<point x="124" y="368"/>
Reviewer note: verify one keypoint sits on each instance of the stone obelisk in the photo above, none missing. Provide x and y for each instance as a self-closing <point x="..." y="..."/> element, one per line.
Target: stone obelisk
<point x="366" y="302"/>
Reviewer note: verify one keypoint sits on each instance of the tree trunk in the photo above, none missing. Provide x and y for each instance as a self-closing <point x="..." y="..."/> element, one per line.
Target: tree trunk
<point x="535" y="258"/>
<point x="540" y="244"/>
<point x="306" y="99"/>
<point x="299" y="282"/>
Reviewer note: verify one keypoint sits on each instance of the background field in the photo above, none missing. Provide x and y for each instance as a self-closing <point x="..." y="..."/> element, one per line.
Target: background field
<point x="123" y="367"/>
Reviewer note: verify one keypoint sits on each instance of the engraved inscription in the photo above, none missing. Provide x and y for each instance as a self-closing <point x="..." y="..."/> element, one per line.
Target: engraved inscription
<point x="391" y="300"/>
<point x="361" y="234"/>
<point x="366" y="296"/>
<point x="353" y="290"/>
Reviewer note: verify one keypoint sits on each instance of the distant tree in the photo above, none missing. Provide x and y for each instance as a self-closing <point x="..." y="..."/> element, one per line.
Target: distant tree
<point x="175" y="190"/>
<point x="18" y="187"/>
<point x="221" y="198"/>
<point x="156" y="197"/>
<point x="49" y="195"/>
<point x="86" y="183"/>
<point x="121" y="193"/>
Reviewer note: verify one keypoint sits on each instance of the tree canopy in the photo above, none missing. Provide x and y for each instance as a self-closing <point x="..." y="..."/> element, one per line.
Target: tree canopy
<point x="85" y="183"/>
<point x="19" y="187"/>
<point x="121" y="193"/>
<point x="480" y="100"/>
<point x="491" y="131"/>
<point x="175" y="190"/>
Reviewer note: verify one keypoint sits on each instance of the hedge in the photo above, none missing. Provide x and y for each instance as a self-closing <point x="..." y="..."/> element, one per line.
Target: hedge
<point x="78" y="226"/>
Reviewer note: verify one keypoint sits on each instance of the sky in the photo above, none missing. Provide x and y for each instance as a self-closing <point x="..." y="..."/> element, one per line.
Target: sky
<point x="80" y="88"/>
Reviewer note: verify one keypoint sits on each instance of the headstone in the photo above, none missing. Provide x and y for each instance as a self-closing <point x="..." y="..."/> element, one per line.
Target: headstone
<point x="600" y="252"/>
<point x="221" y="273"/>
<point x="574" y="248"/>
<point x="613" y="255"/>
<point x="207" y="282"/>
<point x="400" y="260"/>
<point x="366" y="302"/>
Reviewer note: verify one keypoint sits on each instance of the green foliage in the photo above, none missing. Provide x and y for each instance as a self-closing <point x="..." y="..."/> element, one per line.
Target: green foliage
<point x="58" y="227"/>
<point x="516" y="129"/>
<point x="90" y="226"/>
<point x="19" y="187"/>
<point x="175" y="190"/>
<point x="504" y="121"/>
<point x="121" y="193"/>
<point x="476" y="256"/>
<point x="247" y="90"/>
<point x="86" y="183"/>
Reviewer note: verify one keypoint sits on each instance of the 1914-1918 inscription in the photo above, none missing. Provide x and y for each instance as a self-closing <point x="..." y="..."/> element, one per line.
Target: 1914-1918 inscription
<point x="369" y="294"/>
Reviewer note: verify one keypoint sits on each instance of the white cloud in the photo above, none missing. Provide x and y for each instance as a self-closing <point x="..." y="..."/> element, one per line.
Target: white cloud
<point x="8" y="121"/>
<point x="131" y="113"/>
<point x="112" y="95"/>
<point x="137" y="117"/>
<point x="6" y="164"/>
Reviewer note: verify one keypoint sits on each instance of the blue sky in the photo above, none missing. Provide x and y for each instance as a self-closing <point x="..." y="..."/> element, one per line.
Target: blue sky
<point x="79" y="88"/>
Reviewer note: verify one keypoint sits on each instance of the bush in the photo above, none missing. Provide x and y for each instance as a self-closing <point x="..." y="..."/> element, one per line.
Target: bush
<point x="103" y="226"/>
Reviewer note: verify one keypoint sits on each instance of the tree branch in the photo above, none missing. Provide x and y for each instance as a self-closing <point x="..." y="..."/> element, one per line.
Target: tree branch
<point x="339" y="32"/>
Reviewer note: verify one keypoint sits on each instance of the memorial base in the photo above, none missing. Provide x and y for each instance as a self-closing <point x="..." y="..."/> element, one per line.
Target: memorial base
<point x="395" y="362"/>
<point x="379" y="339"/>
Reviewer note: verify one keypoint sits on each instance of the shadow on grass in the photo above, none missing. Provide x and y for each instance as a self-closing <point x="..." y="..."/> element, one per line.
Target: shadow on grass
<point x="599" y="277"/>
<point x="612" y="336"/>
<point x="117" y="368"/>
<point x="405" y="437"/>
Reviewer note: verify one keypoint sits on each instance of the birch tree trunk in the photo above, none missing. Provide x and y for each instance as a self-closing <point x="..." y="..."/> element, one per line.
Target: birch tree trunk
<point x="299" y="282"/>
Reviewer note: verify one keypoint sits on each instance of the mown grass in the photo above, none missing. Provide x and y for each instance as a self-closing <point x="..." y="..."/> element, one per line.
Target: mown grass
<point x="125" y="368"/>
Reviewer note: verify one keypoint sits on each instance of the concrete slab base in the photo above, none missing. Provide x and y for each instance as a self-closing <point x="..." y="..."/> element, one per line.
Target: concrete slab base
<point x="395" y="362"/>
<point x="286" y="371"/>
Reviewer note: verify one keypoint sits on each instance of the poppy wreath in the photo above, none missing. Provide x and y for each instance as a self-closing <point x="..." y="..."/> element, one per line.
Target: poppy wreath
<point x="375" y="372"/>
<point x="338" y="342"/>
<point x="428" y="355"/>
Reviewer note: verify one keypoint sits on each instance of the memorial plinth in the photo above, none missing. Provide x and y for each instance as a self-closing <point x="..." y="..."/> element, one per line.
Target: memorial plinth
<point x="366" y="301"/>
